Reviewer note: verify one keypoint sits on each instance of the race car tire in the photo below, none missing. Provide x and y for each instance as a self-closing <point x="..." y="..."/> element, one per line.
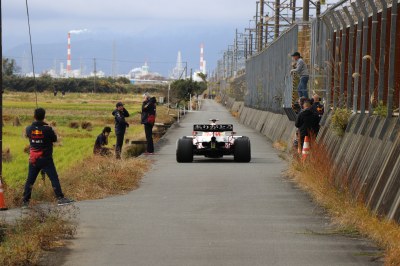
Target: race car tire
<point x="242" y="152"/>
<point x="184" y="150"/>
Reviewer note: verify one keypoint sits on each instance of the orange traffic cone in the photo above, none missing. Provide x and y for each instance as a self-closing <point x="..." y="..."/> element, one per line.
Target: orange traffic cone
<point x="306" y="148"/>
<point x="2" y="201"/>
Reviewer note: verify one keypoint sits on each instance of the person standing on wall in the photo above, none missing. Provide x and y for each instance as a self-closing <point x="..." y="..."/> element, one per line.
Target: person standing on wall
<point x="120" y="113"/>
<point x="41" y="138"/>
<point x="302" y="70"/>
<point x="148" y="120"/>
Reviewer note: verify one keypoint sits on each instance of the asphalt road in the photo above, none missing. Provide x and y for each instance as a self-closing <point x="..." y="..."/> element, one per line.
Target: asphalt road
<point x="212" y="212"/>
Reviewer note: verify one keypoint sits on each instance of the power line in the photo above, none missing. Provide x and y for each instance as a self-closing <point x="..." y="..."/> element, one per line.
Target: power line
<point x="30" y="43"/>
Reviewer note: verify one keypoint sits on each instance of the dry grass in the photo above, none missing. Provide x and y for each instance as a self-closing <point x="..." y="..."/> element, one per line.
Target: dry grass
<point x="317" y="177"/>
<point x="24" y="241"/>
<point x="280" y="145"/>
<point x="99" y="177"/>
<point x="95" y="178"/>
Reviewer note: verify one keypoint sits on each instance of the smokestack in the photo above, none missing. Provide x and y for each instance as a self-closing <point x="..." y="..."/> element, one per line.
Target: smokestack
<point x="69" y="55"/>
<point x="202" y="58"/>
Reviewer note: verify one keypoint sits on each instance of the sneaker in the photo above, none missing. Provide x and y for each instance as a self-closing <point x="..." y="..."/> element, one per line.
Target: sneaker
<point x="64" y="201"/>
<point x="25" y="205"/>
<point x="149" y="153"/>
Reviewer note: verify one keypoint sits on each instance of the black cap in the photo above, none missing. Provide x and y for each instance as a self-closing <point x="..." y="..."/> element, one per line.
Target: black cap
<point x="296" y="54"/>
<point x="107" y="129"/>
<point x="119" y="104"/>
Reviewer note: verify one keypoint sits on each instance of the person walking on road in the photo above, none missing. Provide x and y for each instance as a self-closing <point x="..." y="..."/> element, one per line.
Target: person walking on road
<point x="148" y="120"/>
<point x="41" y="138"/>
<point x="302" y="71"/>
<point x="101" y="142"/>
<point x="120" y="113"/>
<point x="307" y="122"/>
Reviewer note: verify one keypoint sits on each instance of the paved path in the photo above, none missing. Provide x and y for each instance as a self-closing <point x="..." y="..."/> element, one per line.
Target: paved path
<point x="211" y="213"/>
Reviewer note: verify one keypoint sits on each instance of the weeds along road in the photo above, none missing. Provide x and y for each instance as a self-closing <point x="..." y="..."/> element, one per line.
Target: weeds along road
<point x="211" y="212"/>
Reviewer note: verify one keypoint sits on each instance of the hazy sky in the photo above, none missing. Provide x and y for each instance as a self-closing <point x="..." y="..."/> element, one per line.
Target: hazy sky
<point x="51" y="19"/>
<point x="175" y="21"/>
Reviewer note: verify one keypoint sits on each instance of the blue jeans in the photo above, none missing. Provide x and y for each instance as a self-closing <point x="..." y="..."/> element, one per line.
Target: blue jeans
<point x="47" y="165"/>
<point x="302" y="88"/>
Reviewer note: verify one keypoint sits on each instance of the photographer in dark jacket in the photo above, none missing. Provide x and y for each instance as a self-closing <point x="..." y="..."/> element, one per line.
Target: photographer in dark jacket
<point x="101" y="142"/>
<point x="120" y="127"/>
<point x="148" y="120"/>
<point x="307" y="122"/>
<point x="41" y="138"/>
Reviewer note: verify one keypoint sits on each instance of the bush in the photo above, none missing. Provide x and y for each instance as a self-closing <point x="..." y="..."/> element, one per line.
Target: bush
<point x="73" y="124"/>
<point x="340" y="119"/>
<point x="86" y="125"/>
<point x="381" y="110"/>
<point x="6" y="156"/>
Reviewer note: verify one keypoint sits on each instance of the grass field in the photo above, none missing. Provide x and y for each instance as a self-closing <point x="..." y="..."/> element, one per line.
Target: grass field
<point x="75" y="144"/>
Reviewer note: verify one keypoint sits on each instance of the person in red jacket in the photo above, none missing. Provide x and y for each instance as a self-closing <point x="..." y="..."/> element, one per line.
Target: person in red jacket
<point x="41" y="138"/>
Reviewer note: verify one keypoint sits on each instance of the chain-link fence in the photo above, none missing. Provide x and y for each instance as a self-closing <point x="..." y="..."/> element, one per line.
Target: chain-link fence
<point x="269" y="83"/>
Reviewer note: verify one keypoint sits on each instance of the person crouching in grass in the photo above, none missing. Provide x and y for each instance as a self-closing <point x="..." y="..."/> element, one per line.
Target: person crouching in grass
<point x="101" y="142"/>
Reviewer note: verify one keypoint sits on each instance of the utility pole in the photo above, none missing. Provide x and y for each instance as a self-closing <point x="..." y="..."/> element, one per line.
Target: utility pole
<point x="1" y="94"/>
<point x="114" y="60"/>
<point x="261" y="27"/>
<point x="318" y="8"/>
<point x="94" y="74"/>
<point x="293" y="7"/>
<point x="257" y="26"/>
<point x="306" y="10"/>
<point x="277" y="15"/>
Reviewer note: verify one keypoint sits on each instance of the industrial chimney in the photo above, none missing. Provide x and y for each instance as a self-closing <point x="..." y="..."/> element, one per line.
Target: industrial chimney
<point x="202" y="70"/>
<point x="69" y="55"/>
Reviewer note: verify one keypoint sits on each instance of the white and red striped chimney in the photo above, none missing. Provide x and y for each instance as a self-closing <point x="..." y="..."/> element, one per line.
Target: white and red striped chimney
<point x="202" y="58"/>
<point x="69" y="54"/>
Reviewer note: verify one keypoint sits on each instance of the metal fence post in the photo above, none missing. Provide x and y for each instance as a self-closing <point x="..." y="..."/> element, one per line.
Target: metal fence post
<point x="342" y="57"/>
<point x="336" y="74"/>
<point x="328" y="69"/>
<point x="364" y="53"/>
<point x="373" y="55"/>
<point x="356" y="74"/>
<point x="381" y="79"/>
<point x="392" y="54"/>
<point x="350" y="57"/>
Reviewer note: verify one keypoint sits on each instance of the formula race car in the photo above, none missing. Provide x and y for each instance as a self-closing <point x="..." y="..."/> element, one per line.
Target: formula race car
<point x="213" y="141"/>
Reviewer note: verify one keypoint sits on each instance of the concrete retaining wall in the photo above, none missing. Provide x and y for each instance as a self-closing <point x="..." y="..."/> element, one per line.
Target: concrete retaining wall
<point x="367" y="156"/>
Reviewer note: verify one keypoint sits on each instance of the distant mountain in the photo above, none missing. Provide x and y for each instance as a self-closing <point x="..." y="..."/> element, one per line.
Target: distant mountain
<point x="159" y="51"/>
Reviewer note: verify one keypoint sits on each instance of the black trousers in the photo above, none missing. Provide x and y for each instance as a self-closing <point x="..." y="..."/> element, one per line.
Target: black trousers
<point x="47" y="165"/>
<point x="148" y="129"/>
<point x="118" y="145"/>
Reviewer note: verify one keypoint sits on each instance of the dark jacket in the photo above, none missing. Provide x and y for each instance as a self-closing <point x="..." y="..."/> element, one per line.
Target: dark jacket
<point x="148" y="108"/>
<point x="318" y="109"/>
<point x="120" y="123"/>
<point x="41" y="138"/>
<point x="307" y="122"/>
<point x="100" y="142"/>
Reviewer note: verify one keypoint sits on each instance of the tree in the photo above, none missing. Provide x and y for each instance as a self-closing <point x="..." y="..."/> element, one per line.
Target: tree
<point x="202" y="76"/>
<point x="182" y="89"/>
<point x="9" y="67"/>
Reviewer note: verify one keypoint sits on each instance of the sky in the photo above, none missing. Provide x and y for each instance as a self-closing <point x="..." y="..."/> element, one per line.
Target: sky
<point x="143" y="30"/>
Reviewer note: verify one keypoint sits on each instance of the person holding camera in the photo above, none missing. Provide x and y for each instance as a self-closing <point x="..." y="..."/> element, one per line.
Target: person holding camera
<point x="120" y="113"/>
<point x="148" y="120"/>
